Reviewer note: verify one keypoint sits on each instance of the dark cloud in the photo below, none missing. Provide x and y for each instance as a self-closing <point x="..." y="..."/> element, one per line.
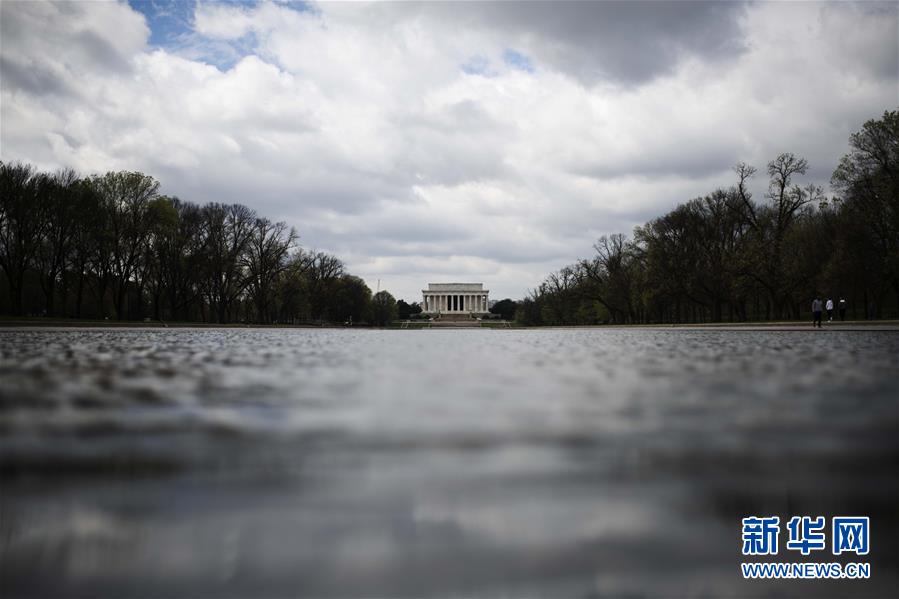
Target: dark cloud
<point x="47" y="48"/>
<point x="99" y="53"/>
<point x="34" y="79"/>
<point x="623" y="42"/>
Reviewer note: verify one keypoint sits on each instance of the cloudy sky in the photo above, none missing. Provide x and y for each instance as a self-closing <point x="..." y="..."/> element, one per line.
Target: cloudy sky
<point x="434" y="142"/>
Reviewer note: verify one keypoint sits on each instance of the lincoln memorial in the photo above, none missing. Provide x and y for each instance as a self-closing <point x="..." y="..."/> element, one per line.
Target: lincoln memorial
<point x="454" y="298"/>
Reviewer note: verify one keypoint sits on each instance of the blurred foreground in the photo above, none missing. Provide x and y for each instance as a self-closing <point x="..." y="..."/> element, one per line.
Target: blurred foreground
<point x="339" y="463"/>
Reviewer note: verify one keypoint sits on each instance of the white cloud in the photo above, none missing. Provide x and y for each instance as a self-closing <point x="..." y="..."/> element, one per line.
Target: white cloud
<point x="366" y="127"/>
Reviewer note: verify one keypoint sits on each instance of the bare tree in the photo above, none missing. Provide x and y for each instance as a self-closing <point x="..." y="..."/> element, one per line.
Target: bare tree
<point x="227" y="229"/>
<point x="60" y="206"/>
<point x="745" y="172"/>
<point x="266" y="258"/>
<point x="22" y="224"/>
<point x="322" y="271"/>
<point x="611" y="276"/>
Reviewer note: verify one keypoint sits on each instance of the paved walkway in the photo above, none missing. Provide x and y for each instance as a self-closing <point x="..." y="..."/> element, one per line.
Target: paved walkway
<point x="861" y="325"/>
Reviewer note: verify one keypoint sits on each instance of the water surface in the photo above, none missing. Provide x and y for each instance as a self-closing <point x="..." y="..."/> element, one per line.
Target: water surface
<point x="349" y="463"/>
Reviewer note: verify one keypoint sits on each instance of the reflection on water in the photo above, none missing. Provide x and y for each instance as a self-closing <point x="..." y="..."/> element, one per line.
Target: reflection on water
<point x="558" y="463"/>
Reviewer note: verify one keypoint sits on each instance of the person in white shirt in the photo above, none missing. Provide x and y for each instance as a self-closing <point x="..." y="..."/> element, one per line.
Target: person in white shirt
<point x="829" y="308"/>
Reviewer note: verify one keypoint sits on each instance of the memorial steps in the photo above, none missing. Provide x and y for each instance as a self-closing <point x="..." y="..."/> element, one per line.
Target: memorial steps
<point x="455" y="321"/>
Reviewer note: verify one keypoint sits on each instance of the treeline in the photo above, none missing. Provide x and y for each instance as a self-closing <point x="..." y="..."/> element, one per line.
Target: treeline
<point x="110" y="246"/>
<point x="728" y="257"/>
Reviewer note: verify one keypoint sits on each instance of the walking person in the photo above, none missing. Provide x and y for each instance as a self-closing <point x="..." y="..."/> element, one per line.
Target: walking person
<point x="829" y="308"/>
<point x="816" y="312"/>
<point x="842" y="306"/>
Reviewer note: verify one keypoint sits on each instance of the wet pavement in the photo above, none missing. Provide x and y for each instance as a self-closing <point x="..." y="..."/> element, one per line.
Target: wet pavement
<point x="342" y="463"/>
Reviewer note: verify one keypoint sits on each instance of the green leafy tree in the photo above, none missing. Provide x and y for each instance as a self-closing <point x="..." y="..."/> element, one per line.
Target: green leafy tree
<point x="384" y="310"/>
<point x="162" y="220"/>
<point x="404" y="310"/>
<point x="867" y="179"/>
<point x="350" y="300"/>
<point x="182" y="260"/>
<point x="125" y="198"/>
<point x="505" y="308"/>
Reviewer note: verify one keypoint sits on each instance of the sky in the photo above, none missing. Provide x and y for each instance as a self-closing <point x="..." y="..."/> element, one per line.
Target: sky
<point x="484" y="142"/>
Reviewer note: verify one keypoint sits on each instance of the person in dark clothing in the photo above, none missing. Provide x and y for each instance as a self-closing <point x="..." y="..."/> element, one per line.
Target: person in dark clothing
<point x="842" y="306"/>
<point x="817" y="307"/>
